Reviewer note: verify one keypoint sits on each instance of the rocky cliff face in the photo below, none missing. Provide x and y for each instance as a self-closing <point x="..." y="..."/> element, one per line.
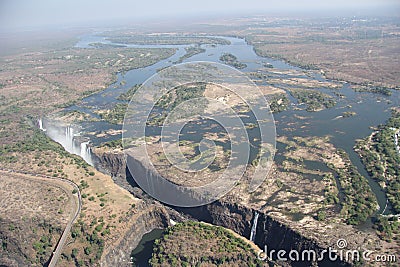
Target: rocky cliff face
<point x="150" y="217"/>
<point x="11" y="254"/>
<point x="110" y="162"/>
<point x="270" y="232"/>
<point x="113" y="163"/>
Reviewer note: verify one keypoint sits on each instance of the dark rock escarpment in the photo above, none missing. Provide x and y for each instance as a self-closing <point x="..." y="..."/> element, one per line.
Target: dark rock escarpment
<point x="112" y="163"/>
<point x="148" y="218"/>
<point x="270" y="232"/>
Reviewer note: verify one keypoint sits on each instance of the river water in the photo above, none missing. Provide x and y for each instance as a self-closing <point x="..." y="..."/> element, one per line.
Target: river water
<point x="141" y="255"/>
<point x="371" y="109"/>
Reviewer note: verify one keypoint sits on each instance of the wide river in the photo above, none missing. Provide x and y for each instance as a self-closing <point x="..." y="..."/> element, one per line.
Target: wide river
<point x="371" y="109"/>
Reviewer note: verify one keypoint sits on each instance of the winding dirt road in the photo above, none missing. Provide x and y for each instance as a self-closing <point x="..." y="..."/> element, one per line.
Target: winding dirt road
<point x="61" y="242"/>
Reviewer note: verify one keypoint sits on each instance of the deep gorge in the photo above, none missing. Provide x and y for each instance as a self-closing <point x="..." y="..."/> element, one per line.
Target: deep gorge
<point x="236" y="217"/>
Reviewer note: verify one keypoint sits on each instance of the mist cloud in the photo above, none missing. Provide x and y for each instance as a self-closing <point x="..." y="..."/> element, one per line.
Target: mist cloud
<point x="20" y="13"/>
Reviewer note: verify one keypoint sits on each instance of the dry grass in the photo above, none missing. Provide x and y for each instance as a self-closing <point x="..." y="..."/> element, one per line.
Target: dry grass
<point x="24" y="196"/>
<point x="39" y="80"/>
<point x="30" y="207"/>
<point x="340" y="54"/>
<point x="42" y="80"/>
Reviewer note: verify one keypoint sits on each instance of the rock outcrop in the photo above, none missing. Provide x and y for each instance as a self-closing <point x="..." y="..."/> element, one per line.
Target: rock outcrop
<point x="110" y="162"/>
<point x="147" y="218"/>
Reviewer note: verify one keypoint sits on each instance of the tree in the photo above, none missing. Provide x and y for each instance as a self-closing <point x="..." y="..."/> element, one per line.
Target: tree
<point x="321" y="215"/>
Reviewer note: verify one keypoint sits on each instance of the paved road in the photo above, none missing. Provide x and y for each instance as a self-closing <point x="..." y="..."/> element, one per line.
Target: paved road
<point x="60" y="245"/>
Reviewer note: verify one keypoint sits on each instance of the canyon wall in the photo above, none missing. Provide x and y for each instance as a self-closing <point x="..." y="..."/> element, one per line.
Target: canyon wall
<point x="109" y="162"/>
<point x="270" y="232"/>
<point x="149" y="218"/>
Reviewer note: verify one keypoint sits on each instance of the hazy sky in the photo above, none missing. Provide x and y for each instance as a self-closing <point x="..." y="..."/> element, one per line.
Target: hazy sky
<point x="22" y="13"/>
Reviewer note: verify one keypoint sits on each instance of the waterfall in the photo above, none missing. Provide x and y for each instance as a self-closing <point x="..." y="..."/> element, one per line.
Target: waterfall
<point x="77" y="144"/>
<point x="254" y="227"/>
<point x="89" y="151"/>
<point x="86" y="152"/>
<point x="40" y="124"/>
<point x="84" y="149"/>
<point x="71" y="139"/>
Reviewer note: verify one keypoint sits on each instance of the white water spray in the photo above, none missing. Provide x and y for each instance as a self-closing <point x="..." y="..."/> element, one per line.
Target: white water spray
<point x="254" y="227"/>
<point x="86" y="152"/>
<point x="70" y="138"/>
<point x="40" y="124"/>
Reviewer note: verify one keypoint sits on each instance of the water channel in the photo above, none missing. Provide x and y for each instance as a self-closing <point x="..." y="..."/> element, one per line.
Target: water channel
<point x="371" y="109"/>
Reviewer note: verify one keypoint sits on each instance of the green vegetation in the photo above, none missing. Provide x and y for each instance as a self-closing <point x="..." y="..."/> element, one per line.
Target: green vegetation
<point x="379" y="155"/>
<point x="44" y="245"/>
<point x="101" y="45"/>
<point x="376" y="90"/>
<point x="278" y="103"/>
<point x="198" y="244"/>
<point x="330" y="191"/>
<point x="190" y="51"/>
<point x="117" y="143"/>
<point x="231" y="60"/>
<point x="387" y="227"/>
<point x="115" y="115"/>
<point x="83" y="185"/>
<point x="321" y="215"/>
<point x="128" y="95"/>
<point x="66" y="104"/>
<point x="39" y="237"/>
<point x="313" y="99"/>
<point x="141" y="57"/>
<point x="181" y="94"/>
<point x="89" y="235"/>
<point x="175" y="97"/>
<point x="359" y="201"/>
<point x="348" y="114"/>
<point x="36" y="141"/>
<point x="77" y="116"/>
<point x="165" y="39"/>
<point x="260" y="50"/>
